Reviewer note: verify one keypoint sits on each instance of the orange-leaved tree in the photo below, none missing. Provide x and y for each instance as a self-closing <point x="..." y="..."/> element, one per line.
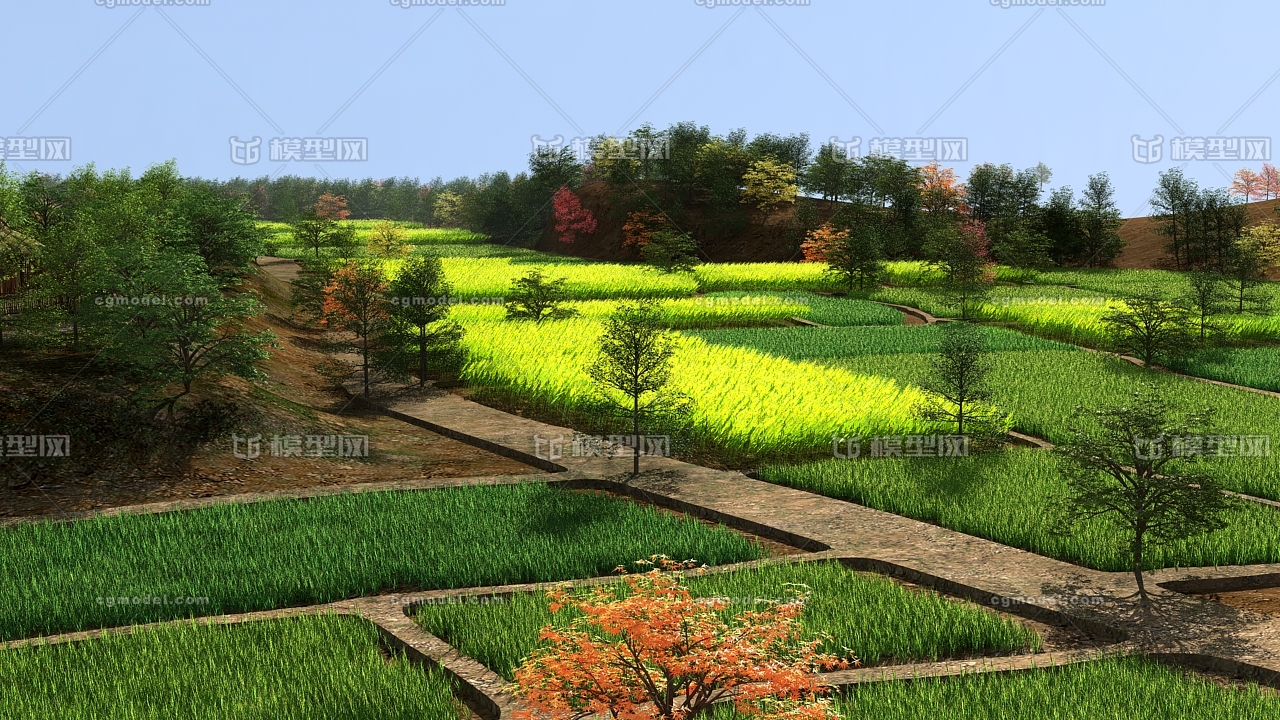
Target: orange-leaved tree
<point x="1270" y="180"/>
<point x="657" y="652"/>
<point x="940" y="190"/>
<point x="1247" y="184"/>
<point x="640" y="227"/>
<point x="332" y="207"/>
<point x="356" y="300"/>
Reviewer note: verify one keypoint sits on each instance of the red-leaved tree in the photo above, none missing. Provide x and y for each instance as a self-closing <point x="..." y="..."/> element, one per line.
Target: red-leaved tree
<point x="332" y="207"/>
<point x="355" y="300"/>
<point x="659" y="653"/>
<point x="1270" y="181"/>
<point x="571" y="218"/>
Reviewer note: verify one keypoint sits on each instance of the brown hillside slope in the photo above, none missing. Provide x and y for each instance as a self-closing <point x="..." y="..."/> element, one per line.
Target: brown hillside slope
<point x="1145" y="248"/>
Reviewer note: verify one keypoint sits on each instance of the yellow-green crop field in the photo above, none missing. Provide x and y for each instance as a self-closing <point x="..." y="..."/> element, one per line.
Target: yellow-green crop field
<point x="744" y="401"/>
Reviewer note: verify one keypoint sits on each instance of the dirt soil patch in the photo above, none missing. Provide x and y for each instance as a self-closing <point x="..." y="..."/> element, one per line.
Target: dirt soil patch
<point x="294" y="399"/>
<point x="1264" y="601"/>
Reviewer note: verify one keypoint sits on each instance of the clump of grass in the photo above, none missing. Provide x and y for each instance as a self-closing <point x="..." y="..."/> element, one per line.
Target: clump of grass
<point x="301" y="668"/>
<point x="64" y="576"/>
<point x="870" y="617"/>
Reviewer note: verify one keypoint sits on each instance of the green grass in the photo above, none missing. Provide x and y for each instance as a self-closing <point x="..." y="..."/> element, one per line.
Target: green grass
<point x="1042" y="387"/>
<point x="295" y="552"/>
<point x="304" y="668"/>
<point x="877" y="619"/>
<point x="807" y="343"/>
<point x="1251" y="367"/>
<point x="1010" y="497"/>
<point x="1116" y="689"/>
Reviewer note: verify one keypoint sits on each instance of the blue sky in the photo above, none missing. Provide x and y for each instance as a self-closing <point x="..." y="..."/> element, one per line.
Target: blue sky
<point x="447" y="91"/>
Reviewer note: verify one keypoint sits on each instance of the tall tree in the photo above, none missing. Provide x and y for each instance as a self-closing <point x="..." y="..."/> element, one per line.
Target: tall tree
<point x="536" y="297"/>
<point x="571" y="217"/>
<point x="958" y="382"/>
<point x="221" y="229"/>
<point x="1100" y="222"/>
<point x="1205" y="297"/>
<point x="388" y="240"/>
<point x="1270" y="180"/>
<point x="420" y="302"/>
<point x="1175" y="201"/>
<point x="1149" y="326"/>
<point x="828" y="174"/>
<point x="356" y="301"/>
<point x="854" y="254"/>
<point x="1122" y="467"/>
<point x="192" y="327"/>
<point x="1245" y="272"/>
<point x="1247" y="185"/>
<point x="1217" y="224"/>
<point x="1059" y="220"/>
<point x="769" y="184"/>
<point x="963" y="255"/>
<point x="634" y="366"/>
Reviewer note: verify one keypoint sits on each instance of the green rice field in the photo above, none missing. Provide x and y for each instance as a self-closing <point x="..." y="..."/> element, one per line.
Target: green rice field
<point x="1010" y="497"/>
<point x="1114" y="689"/>
<point x="296" y="669"/>
<point x="868" y="616"/>
<point x="71" y="576"/>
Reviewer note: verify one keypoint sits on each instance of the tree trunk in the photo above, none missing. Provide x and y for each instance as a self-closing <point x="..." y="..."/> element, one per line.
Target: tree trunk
<point x="1137" y="567"/>
<point x="422" y="356"/>
<point x="366" y="364"/>
<point x="635" y="434"/>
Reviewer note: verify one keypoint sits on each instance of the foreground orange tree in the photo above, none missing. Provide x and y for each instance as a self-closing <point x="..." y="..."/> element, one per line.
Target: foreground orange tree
<point x="657" y="652"/>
